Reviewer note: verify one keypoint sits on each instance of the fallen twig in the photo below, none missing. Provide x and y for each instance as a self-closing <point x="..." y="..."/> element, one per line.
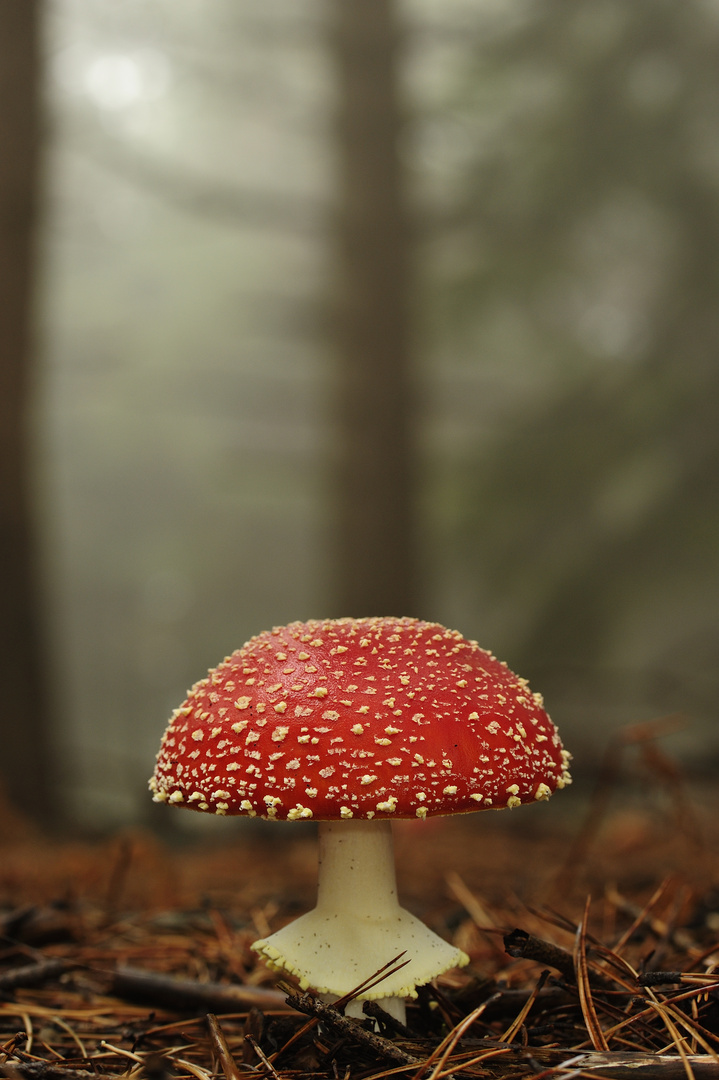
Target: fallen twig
<point x="186" y="995"/>
<point x="328" y="1014"/>
<point x="33" y="974"/>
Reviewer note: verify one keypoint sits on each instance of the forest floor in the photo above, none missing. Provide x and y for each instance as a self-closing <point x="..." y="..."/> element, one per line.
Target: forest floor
<point x="593" y="941"/>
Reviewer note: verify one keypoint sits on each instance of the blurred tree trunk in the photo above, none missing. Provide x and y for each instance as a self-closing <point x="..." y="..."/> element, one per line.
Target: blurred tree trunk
<point x="24" y="753"/>
<point x="374" y="497"/>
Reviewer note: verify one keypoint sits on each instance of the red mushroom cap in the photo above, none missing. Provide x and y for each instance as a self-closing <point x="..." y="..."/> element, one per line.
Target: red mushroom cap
<point x="359" y="718"/>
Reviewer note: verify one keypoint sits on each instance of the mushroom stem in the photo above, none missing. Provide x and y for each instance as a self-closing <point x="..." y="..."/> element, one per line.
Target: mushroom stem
<point x="358" y="925"/>
<point x="349" y="851"/>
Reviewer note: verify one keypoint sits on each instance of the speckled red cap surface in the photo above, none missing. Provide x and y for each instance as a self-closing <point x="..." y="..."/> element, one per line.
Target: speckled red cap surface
<point x="359" y="718"/>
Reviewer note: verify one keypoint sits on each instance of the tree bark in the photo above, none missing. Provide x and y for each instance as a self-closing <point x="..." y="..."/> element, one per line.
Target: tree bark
<point x="24" y="753"/>
<point x="375" y="558"/>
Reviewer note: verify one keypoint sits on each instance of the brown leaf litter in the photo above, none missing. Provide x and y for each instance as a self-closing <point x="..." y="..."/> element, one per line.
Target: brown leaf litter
<point x="594" y="950"/>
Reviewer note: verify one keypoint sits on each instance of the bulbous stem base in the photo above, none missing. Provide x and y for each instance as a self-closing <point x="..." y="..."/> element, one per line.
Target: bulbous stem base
<point x="358" y="925"/>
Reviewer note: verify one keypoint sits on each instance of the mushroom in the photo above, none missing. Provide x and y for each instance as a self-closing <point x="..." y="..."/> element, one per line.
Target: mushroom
<point x="355" y="723"/>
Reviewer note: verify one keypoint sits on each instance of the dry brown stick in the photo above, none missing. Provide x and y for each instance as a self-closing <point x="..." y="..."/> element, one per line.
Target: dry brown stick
<point x="33" y="974"/>
<point x="222" y="1050"/>
<point x="310" y="1006"/>
<point x="524" y="946"/>
<point x="661" y="978"/>
<point x="617" y="1065"/>
<point x="39" y="1070"/>
<point x="614" y="1065"/>
<point x="185" y="995"/>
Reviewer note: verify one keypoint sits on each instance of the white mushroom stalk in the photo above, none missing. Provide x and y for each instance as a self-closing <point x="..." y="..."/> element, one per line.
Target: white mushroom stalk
<point x="358" y="924"/>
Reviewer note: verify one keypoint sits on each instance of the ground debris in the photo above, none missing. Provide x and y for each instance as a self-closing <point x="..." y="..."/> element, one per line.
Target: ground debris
<point x="128" y="960"/>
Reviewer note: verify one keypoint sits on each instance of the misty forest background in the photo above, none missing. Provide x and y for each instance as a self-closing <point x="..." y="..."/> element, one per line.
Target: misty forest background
<point x="313" y="309"/>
